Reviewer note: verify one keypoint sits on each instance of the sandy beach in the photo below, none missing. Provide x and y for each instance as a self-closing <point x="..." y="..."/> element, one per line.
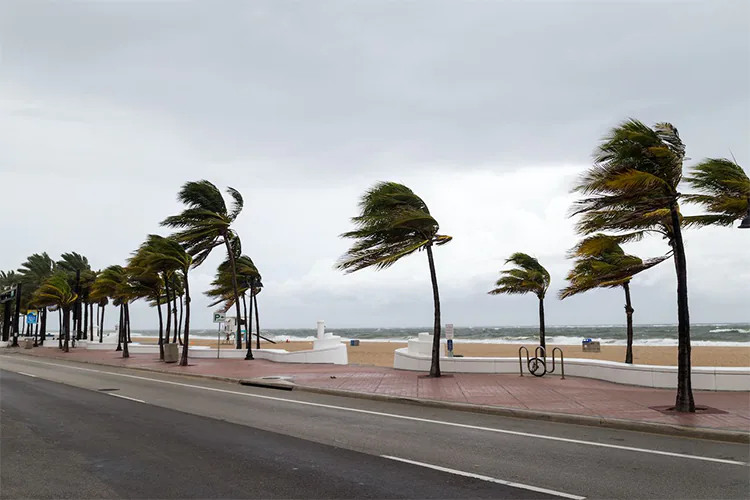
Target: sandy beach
<point x="381" y="353"/>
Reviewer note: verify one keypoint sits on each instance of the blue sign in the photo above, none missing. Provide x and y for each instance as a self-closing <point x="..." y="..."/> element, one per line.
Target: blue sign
<point x="31" y="318"/>
<point x="450" y="344"/>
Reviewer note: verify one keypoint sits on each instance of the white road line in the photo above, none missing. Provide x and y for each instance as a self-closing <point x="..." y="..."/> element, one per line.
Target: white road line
<point x="486" y="478"/>
<point x="406" y="417"/>
<point x="126" y="397"/>
<point x="27" y="374"/>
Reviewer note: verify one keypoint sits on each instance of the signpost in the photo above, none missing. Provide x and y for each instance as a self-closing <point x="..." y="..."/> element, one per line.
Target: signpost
<point x="449" y="336"/>
<point x="219" y="318"/>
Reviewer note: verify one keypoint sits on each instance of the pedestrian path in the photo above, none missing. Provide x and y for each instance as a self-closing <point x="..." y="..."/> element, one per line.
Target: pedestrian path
<point x="576" y="396"/>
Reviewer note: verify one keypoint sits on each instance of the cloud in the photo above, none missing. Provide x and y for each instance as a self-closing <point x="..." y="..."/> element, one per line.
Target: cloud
<point x="488" y="111"/>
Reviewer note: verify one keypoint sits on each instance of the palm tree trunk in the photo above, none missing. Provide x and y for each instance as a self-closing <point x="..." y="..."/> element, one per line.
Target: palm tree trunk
<point x="125" y="351"/>
<point x="120" y="330"/>
<point x="91" y="325"/>
<point x="77" y="307"/>
<point x="179" y="324"/>
<point x="629" y="314"/>
<point x="161" y="326"/>
<point x="435" y="366"/>
<point x="98" y="317"/>
<point x="542" y="330"/>
<point x="43" y="326"/>
<point x="249" y="333"/>
<point x="85" y="320"/>
<point x="173" y="309"/>
<point x="60" y="328"/>
<point x="169" y="316"/>
<point x="127" y="321"/>
<point x="257" y="321"/>
<point x="101" y="328"/>
<point x="66" y="327"/>
<point x="186" y="344"/>
<point x="236" y="297"/>
<point x="249" y="322"/>
<point x="684" y="401"/>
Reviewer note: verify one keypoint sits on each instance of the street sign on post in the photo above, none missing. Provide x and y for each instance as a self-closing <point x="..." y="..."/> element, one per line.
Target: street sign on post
<point x="219" y="317"/>
<point x="31" y="318"/>
<point x="449" y="331"/>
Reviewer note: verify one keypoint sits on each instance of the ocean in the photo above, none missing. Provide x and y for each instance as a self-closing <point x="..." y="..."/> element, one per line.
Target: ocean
<point x="713" y="334"/>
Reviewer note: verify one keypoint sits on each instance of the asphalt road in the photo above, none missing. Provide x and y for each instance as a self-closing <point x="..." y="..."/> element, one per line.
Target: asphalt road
<point x="180" y="437"/>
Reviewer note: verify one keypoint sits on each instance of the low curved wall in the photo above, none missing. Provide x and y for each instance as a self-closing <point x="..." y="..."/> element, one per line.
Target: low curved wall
<point x="662" y="377"/>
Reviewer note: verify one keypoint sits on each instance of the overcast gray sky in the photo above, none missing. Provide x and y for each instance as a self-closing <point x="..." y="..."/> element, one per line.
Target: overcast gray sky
<point x="488" y="110"/>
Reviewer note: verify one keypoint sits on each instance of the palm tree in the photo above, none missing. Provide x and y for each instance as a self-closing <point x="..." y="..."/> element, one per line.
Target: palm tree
<point x="77" y="266"/>
<point x="148" y="280"/>
<point x="33" y="273"/>
<point x="529" y="276"/>
<point x="602" y="263"/>
<point x="56" y="291"/>
<point x="164" y="253"/>
<point x="222" y="290"/>
<point x="112" y="282"/>
<point x="393" y="223"/>
<point x="725" y="192"/>
<point x="632" y="189"/>
<point x="205" y="224"/>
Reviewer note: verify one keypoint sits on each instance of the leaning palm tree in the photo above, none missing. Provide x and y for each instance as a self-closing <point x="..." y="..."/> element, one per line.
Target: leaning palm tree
<point x="112" y="282"/>
<point x="34" y="272"/>
<point x="76" y="266"/>
<point x="393" y="223"/>
<point x="602" y="263"/>
<point x="207" y="223"/>
<point x="164" y="253"/>
<point x="724" y="192"/>
<point x="529" y="276"/>
<point x="148" y="280"/>
<point x="222" y="289"/>
<point x="632" y="189"/>
<point x="56" y="291"/>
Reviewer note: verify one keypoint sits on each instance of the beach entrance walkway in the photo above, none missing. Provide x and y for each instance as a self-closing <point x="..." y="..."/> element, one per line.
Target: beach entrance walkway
<point x="572" y="396"/>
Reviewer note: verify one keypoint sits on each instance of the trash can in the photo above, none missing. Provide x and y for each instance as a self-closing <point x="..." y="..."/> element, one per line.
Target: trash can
<point x="354" y="342"/>
<point x="28" y="343"/>
<point x="171" y="352"/>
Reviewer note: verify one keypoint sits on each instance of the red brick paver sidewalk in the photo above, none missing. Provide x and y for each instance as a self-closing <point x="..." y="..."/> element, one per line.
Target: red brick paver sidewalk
<point x="577" y="396"/>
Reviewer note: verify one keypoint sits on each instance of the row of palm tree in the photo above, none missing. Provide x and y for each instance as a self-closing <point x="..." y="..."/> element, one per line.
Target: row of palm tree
<point x="158" y="272"/>
<point x="631" y="191"/>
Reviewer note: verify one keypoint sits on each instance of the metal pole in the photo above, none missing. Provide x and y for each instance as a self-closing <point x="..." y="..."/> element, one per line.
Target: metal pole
<point x="218" y="340"/>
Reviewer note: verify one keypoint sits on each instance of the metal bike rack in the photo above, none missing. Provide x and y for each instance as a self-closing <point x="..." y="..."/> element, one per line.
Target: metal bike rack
<point x="537" y="365"/>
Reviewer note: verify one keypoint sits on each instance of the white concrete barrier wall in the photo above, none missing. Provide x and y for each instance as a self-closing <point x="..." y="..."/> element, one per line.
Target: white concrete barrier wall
<point x="664" y="377"/>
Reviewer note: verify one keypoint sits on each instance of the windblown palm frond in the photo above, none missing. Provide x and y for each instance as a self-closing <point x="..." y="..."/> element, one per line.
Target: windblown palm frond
<point x="529" y="276"/>
<point x="602" y="263"/>
<point x="724" y="192"/>
<point x="55" y="291"/>
<point x="393" y="223"/>
<point x="72" y="262"/>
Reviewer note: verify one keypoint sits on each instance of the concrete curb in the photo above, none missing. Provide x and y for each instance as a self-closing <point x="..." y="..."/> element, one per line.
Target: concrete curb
<point x="564" y="418"/>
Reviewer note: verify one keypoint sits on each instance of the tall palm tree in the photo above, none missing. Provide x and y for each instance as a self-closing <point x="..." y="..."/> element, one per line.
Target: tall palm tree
<point x="76" y="265"/>
<point x="56" y="291"/>
<point x="112" y="282"/>
<point x="207" y="223"/>
<point x="163" y="253"/>
<point x="601" y="263"/>
<point x="529" y="276"/>
<point x="222" y="290"/>
<point x="149" y="283"/>
<point x="630" y="190"/>
<point x="724" y="192"/>
<point x="34" y="272"/>
<point x="393" y="223"/>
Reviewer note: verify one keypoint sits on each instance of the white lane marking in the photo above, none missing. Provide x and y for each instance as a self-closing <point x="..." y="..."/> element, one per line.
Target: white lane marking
<point x="27" y="374"/>
<point x="406" y="417"/>
<point x="486" y="478"/>
<point x="126" y="397"/>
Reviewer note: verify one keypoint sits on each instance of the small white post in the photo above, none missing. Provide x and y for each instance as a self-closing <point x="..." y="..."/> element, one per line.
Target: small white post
<point x="321" y="329"/>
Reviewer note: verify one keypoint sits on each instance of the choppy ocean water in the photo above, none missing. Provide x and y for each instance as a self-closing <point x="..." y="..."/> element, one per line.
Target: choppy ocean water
<point x="701" y="334"/>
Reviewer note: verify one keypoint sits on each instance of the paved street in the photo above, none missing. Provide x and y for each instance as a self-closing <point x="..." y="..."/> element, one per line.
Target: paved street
<point x="86" y="431"/>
